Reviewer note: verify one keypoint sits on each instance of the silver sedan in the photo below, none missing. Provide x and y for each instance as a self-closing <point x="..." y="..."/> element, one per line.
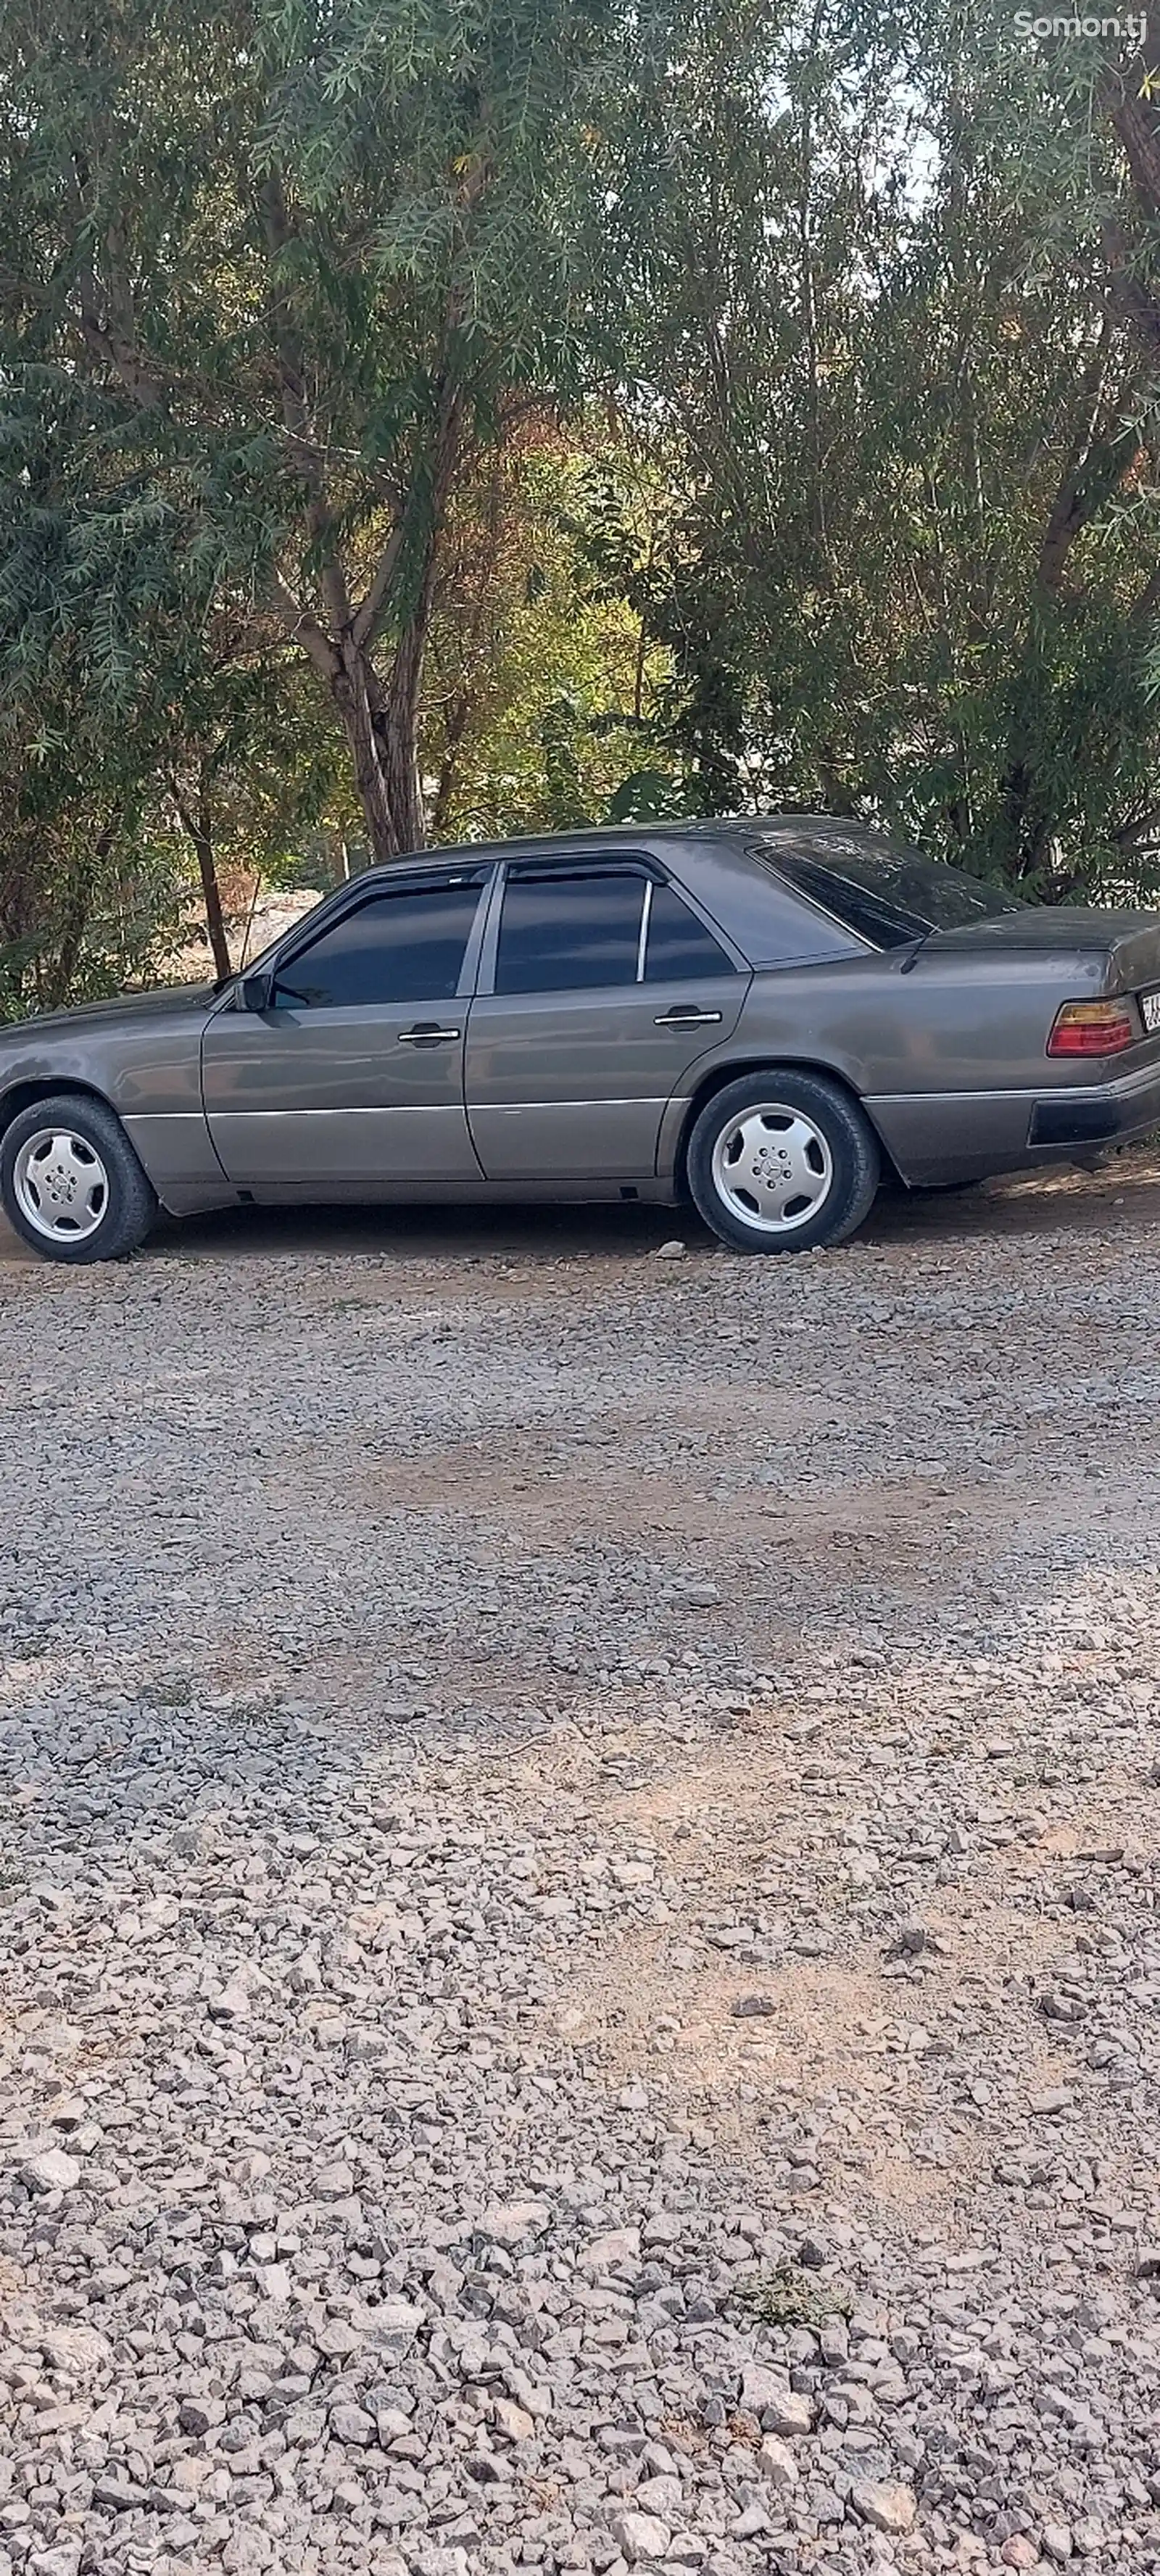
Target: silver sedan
<point x="764" y="1016"/>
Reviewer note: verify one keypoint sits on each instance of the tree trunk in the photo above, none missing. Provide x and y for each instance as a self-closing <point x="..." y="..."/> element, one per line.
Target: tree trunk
<point x="397" y="730"/>
<point x="1099" y="465"/>
<point x="453" y="733"/>
<point x="353" y="687"/>
<point x="381" y="735"/>
<point x="200" y="829"/>
<point x="67" y="956"/>
<point x="397" y="716"/>
<point x="380" y="717"/>
<point x="211" y="893"/>
<point x="1025" y="826"/>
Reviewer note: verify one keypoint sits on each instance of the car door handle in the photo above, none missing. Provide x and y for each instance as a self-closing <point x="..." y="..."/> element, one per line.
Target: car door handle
<point x="687" y="1016"/>
<point x="428" y="1033"/>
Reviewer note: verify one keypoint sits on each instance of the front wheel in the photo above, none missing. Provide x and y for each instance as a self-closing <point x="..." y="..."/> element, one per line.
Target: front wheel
<point x="782" y="1161"/>
<point x="71" y="1183"/>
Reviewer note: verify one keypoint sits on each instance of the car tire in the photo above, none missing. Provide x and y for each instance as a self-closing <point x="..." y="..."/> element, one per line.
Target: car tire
<point x="70" y="1182"/>
<point x="782" y="1161"/>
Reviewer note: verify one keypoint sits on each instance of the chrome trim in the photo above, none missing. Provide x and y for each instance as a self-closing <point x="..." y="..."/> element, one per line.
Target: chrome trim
<point x="367" y="1109"/>
<point x="515" y="1108"/>
<point x="645" y="918"/>
<point x="1141" y="1079"/>
<point x="956" y="1099"/>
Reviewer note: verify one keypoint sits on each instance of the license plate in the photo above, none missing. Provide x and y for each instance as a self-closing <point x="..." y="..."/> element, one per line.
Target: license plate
<point x="1150" y="1006"/>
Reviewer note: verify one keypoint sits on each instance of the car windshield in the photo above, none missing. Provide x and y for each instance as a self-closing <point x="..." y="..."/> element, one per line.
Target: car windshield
<point x="881" y="889"/>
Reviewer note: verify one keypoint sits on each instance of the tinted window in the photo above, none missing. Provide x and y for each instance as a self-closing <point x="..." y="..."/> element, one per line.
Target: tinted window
<point x="881" y="889"/>
<point x="560" y="933"/>
<point x="679" y="948"/>
<point x="771" y="924"/>
<point x="404" y="947"/>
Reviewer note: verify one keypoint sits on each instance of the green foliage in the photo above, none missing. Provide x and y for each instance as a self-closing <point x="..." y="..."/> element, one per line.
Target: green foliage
<point x="272" y="277"/>
<point x="90" y="901"/>
<point x="541" y="691"/>
<point x="910" y="429"/>
<point x="505" y="414"/>
<point x="647" y="796"/>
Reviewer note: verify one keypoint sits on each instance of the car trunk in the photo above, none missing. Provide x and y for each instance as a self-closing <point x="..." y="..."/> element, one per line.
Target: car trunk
<point x="1126" y="943"/>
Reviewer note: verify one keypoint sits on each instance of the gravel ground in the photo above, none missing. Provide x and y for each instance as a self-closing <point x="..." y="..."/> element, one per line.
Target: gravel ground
<point x="580" y="1957"/>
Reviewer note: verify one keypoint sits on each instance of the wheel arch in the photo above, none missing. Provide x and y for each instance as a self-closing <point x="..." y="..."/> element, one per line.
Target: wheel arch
<point x="24" y="1095"/>
<point x="718" y="1078"/>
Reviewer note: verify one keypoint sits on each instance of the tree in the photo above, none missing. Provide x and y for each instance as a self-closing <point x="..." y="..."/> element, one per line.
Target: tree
<point x="890" y="283"/>
<point x="542" y="686"/>
<point x="247" y="766"/>
<point x="284" y="273"/>
<point x="85" y="892"/>
<point x="90" y="897"/>
<point x="581" y="410"/>
<point x="141" y="727"/>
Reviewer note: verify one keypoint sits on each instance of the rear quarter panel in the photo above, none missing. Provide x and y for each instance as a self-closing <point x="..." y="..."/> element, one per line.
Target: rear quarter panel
<point x="948" y="1059"/>
<point x="951" y="1024"/>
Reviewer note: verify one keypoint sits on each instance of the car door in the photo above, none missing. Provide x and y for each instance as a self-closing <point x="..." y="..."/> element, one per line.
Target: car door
<point x="352" y="1076"/>
<point x="600" y="987"/>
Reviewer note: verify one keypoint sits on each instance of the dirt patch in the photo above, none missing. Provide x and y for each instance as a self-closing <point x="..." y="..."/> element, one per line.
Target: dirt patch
<point x="565" y="1493"/>
<point x="11" y="2283"/>
<point x="880" y="2078"/>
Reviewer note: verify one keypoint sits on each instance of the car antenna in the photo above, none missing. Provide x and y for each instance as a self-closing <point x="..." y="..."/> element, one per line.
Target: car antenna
<point x="908" y="963"/>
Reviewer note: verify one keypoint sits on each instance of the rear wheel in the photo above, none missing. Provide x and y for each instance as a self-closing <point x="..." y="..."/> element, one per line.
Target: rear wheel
<point x="71" y="1183"/>
<point x="782" y="1162"/>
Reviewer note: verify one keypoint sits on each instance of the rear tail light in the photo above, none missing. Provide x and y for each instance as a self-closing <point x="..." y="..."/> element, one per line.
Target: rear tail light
<point x="1092" y="1028"/>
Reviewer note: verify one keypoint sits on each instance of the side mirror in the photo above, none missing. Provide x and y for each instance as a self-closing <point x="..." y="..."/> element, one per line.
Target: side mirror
<point x="255" y="992"/>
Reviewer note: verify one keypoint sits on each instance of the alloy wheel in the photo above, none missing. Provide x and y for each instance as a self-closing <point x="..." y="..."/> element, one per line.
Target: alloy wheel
<point x="773" y="1168"/>
<point x="61" y="1185"/>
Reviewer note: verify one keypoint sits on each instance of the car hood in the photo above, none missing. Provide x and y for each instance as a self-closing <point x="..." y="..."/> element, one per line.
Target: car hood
<point x="130" y="1011"/>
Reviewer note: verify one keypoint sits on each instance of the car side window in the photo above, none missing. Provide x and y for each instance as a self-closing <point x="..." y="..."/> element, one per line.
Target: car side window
<point x="561" y="931"/>
<point x="400" y="946"/>
<point x="678" y="948"/>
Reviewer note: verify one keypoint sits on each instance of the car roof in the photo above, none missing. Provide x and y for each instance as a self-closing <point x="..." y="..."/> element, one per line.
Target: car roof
<point x="616" y="836"/>
<point x="734" y="846"/>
